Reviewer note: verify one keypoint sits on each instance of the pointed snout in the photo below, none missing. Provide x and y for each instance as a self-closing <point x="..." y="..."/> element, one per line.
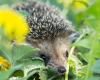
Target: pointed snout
<point x="61" y="69"/>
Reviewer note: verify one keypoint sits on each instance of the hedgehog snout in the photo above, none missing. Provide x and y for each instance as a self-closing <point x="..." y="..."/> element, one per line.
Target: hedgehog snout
<point x="61" y="69"/>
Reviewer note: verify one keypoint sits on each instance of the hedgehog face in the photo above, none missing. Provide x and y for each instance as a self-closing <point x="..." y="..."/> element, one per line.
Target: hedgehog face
<point x="54" y="53"/>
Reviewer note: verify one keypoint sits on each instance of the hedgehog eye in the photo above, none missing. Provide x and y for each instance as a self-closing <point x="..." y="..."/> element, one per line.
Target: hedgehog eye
<point x="67" y="54"/>
<point x="43" y="56"/>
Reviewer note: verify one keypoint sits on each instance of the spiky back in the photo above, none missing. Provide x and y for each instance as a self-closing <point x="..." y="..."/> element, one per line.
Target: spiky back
<point x="44" y="21"/>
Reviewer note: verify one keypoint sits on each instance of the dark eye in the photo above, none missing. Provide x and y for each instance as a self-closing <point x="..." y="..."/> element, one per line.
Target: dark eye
<point x="67" y="54"/>
<point x="45" y="57"/>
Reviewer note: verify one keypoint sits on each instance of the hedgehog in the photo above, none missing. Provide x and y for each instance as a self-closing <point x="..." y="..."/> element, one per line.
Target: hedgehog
<point x="49" y="32"/>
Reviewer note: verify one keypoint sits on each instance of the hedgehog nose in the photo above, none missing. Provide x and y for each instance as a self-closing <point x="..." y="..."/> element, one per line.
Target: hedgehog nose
<point x="61" y="69"/>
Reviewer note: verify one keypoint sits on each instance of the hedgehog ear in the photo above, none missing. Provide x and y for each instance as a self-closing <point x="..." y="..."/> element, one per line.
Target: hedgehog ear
<point x="73" y="37"/>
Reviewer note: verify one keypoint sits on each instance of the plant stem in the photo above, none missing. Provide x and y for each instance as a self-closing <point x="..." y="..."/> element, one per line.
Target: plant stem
<point x="71" y="53"/>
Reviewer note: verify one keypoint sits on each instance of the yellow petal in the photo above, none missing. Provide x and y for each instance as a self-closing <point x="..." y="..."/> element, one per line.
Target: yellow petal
<point x="15" y="25"/>
<point x="4" y="64"/>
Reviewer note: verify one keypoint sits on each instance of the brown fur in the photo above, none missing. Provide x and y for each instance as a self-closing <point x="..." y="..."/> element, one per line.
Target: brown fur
<point x="55" y="49"/>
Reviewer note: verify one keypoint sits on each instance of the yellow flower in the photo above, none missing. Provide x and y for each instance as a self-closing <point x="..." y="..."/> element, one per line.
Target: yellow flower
<point x="4" y="64"/>
<point x="80" y="5"/>
<point x="14" y="24"/>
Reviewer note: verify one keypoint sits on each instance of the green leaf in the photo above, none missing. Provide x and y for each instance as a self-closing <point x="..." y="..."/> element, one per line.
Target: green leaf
<point x="18" y="73"/>
<point x="72" y="17"/>
<point x="95" y="11"/>
<point x="4" y="75"/>
<point x="6" y="1"/>
<point x="42" y="74"/>
<point x="97" y="49"/>
<point x="84" y="43"/>
<point x="94" y="78"/>
<point x="21" y="51"/>
<point x="5" y="52"/>
<point x="16" y="78"/>
<point x="96" y="67"/>
<point x="32" y="66"/>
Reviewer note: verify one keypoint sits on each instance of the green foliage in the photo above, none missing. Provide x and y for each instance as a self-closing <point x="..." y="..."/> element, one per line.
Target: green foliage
<point x="82" y="66"/>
